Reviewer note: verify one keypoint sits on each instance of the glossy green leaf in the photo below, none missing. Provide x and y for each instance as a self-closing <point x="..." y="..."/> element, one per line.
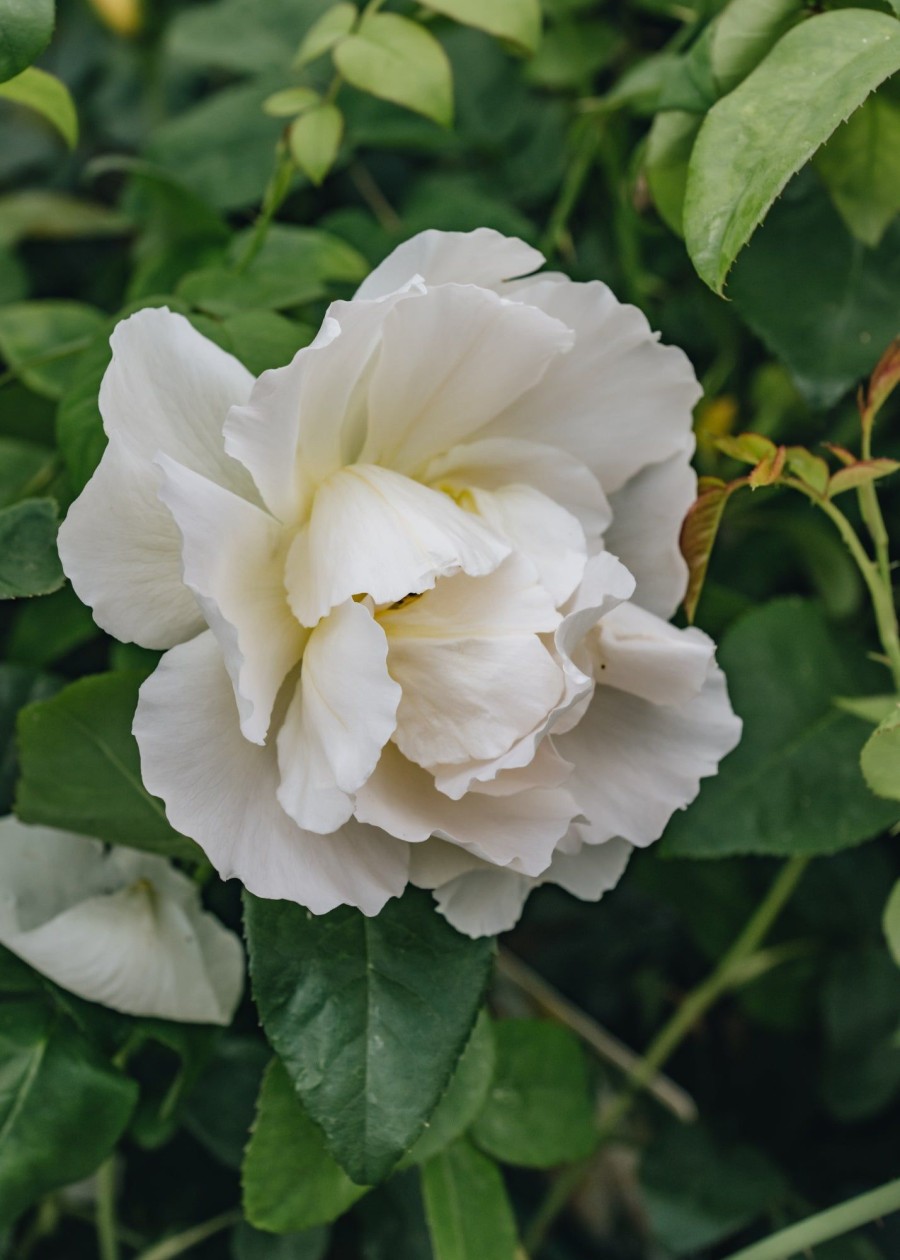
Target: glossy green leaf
<point x="315" y="138"/>
<point x="666" y="158"/>
<point x="29" y="563"/>
<point x="793" y="784"/>
<point x="397" y="60"/>
<point x="81" y="770"/>
<point x="331" y="27"/>
<point x="290" y="101"/>
<point x="47" y="96"/>
<point x="517" y="21"/>
<point x="891" y="922"/>
<point x="743" y="33"/>
<point x="860" y="165"/>
<point x="880" y="758"/>
<point x="290" y="1181"/>
<point x="469" y="1216"/>
<point x="19" y="685"/>
<point x="62" y="1107"/>
<point x="25" y="30"/>
<point x="755" y="138"/>
<point x="539" y="1110"/>
<point x="349" y="1004"/>
<point x="40" y="341"/>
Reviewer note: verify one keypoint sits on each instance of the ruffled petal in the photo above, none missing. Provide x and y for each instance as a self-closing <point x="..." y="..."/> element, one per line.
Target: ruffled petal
<point x="234" y="557"/>
<point x="343" y="712"/>
<point x="221" y="790"/>
<point x="375" y="532"/>
<point x="637" y="652"/>
<point x="451" y="360"/>
<point x="483" y="257"/>
<point x="648" y="512"/>
<point x="619" y="401"/>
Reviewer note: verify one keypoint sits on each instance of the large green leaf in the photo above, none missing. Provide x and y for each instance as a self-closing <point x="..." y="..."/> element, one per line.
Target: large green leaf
<point x="62" y="1107"/>
<point x="19" y="685"/>
<point x="29" y="563"/>
<point x="397" y="60"/>
<point x="47" y="96"/>
<point x="290" y="1181"/>
<point x="518" y="21"/>
<point x="860" y="165"/>
<point x="20" y="464"/>
<point x="756" y="137"/>
<point x="25" y="30"/>
<point x="469" y="1216"/>
<point x="793" y="784"/>
<point x="81" y="769"/>
<point x="39" y="341"/>
<point x="669" y="145"/>
<point x="369" y="1015"/>
<point x="743" y="33"/>
<point x="539" y="1110"/>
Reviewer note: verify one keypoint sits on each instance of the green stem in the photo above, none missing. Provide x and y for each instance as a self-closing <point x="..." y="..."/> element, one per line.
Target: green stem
<point x="277" y="190"/>
<point x="586" y="141"/>
<point x="107" y="1233"/>
<point x="729" y="973"/>
<point x="870" y="508"/>
<point x="178" y="1244"/>
<point x="822" y="1227"/>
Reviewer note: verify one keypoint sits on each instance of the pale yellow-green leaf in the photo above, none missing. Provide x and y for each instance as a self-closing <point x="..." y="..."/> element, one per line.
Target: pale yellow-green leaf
<point x="48" y="96"/>
<point x="315" y="138"/>
<point x="880" y="758"/>
<point x="891" y="922"/>
<point x="518" y="21"/>
<point x="290" y="101"/>
<point x="332" y="26"/>
<point x="397" y="60"/>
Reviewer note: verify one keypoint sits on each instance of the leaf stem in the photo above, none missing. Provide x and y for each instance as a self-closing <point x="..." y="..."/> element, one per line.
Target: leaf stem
<point x="730" y="972"/>
<point x="178" y="1244"/>
<point x="586" y="141"/>
<point x="822" y="1227"/>
<point x="870" y="507"/>
<point x="277" y="190"/>
<point x="107" y="1232"/>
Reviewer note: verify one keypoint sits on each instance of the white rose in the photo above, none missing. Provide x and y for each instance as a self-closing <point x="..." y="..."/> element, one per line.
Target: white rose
<point x="413" y="586"/>
<point x="115" y="926"/>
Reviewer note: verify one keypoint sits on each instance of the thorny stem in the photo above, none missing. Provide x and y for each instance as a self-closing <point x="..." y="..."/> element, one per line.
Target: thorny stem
<point x="107" y="1233"/>
<point x="178" y="1244"/>
<point x="730" y="972"/>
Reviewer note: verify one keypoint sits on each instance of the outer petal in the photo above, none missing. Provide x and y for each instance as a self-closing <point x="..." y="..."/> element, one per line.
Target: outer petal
<point x="343" y="712"/>
<point x="43" y="872"/>
<point x="167" y="389"/>
<point x="377" y="533"/>
<point x="451" y="360"/>
<point x="642" y="654"/>
<point x="234" y="557"/>
<point x="619" y="401"/>
<point x="637" y="762"/>
<point x="221" y="791"/>
<point x="648" y="512"/>
<point x="483" y="257"/>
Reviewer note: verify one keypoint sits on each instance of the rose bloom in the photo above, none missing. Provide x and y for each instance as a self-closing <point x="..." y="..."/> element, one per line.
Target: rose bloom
<point x="413" y="586"/>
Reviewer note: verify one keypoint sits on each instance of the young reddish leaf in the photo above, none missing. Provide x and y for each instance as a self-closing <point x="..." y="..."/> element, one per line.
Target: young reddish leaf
<point x="698" y="533"/>
<point x="769" y="469"/>
<point x="881" y="384"/>
<point x="860" y="474"/>
<point x="811" y="469"/>
<point x="846" y="457"/>
<point x="749" y="448"/>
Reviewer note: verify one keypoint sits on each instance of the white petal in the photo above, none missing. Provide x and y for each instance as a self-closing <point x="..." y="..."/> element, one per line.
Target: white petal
<point x="519" y="831"/>
<point x="637" y="762"/>
<point x="640" y="653"/>
<point x="619" y="401"/>
<point x="343" y="712"/>
<point x="493" y="463"/>
<point x="43" y="872"/>
<point x="221" y="790"/>
<point x="121" y="551"/>
<point x="474" y="674"/>
<point x="648" y="512"/>
<point x="451" y="360"/>
<point x="484" y="902"/>
<point x="234" y="557"/>
<point x="375" y="532"/>
<point x="482" y="257"/>
<point x="592" y="870"/>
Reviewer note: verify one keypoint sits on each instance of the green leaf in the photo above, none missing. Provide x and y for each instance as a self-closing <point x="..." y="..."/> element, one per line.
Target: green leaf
<point x="20" y="463"/>
<point x="40" y="341"/>
<point x="861" y="1007"/>
<point x="46" y="213"/>
<point x="539" y="1110"/>
<point x="62" y="1107"/>
<point x="891" y="922"/>
<point x="239" y="36"/>
<point x="25" y="30"/>
<point x="880" y="758"/>
<point x="517" y="21"/>
<point x="220" y="1107"/>
<point x="29" y="563"/>
<point x="290" y="101"/>
<point x="45" y="630"/>
<point x="872" y="709"/>
<point x="860" y="165"/>
<point x="369" y="1015"/>
<point x="263" y="340"/>
<point x="81" y="769"/>
<point x="469" y="1216"/>
<point x="248" y="1243"/>
<point x="315" y="138"/>
<point x="666" y="158"/>
<point x="47" y="96"/>
<point x="397" y="60"/>
<point x="19" y="685"/>
<point x="570" y="56"/>
<point x="743" y="33"/>
<point x="331" y="27"/>
<point x="793" y="784"/>
<point x="290" y="1181"/>
<point x="861" y="473"/>
<point x="754" y="139"/>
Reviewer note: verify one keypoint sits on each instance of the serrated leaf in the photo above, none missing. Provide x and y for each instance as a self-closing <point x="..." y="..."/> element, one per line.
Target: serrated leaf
<point x="290" y="101"/>
<point x="25" y="30"/>
<point x="29" y="562"/>
<point x="290" y="1182"/>
<point x="393" y="58"/>
<point x="81" y="770"/>
<point x="862" y="473"/>
<point x="350" y="1005"/>
<point x="47" y="96"/>
<point x="314" y="140"/>
<point x="860" y="166"/>
<point x="755" y="138"/>
<point x="332" y="26"/>
<point x="880" y="758"/>
<point x="468" y="1213"/>
<point x="517" y="21"/>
